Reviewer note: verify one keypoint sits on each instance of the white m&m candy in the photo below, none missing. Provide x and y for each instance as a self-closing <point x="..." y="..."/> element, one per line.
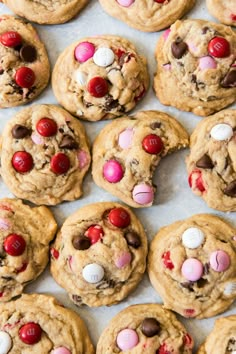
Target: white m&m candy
<point x="5" y="342"/>
<point x="103" y="57"/>
<point x="80" y="78"/>
<point x="221" y="132"/>
<point x="93" y="273"/>
<point x="230" y="289"/>
<point x="192" y="237"/>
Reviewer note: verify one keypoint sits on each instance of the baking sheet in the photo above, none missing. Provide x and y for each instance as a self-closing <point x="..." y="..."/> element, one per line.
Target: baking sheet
<point x="174" y="199"/>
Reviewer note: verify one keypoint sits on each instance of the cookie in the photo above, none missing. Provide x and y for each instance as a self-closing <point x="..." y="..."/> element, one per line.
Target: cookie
<point x="211" y="163"/>
<point x="24" y="67"/>
<point x="127" y="151"/>
<point x="25" y="234"/>
<point x="39" y="324"/>
<point x="44" y="155"/>
<point x="149" y="15"/>
<point x="99" y="255"/>
<point x="46" y="11"/>
<point x="197" y="57"/>
<point x="223" y="337"/>
<point x="100" y="77"/>
<point x="192" y="265"/>
<point x="145" y="328"/>
<point x="223" y="10"/>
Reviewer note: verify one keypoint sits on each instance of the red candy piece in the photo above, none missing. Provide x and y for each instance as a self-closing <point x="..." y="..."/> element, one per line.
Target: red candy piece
<point x="152" y="144"/>
<point x="60" y="163"/>
<point x="119" y="53"/>
<point x="163" y="350"/>
<point x="119" y="217"/>
<point x="160" y="1"/>
<point x="196" y="177"/>
<point x="30" y="333"/>
<point x="219" y="47"/>
<point x="14" y="245"/>
<point x="11" y="39"/>
<point x="25" y="77"/>
<point x="1" y="294"/>
<point x="46" y="127"/>
<point x="167" y="261"/>
<point x="189" y="312"/>
<point x="97" y="87"/>
<point x="22" y="161"/>
<point x="233" y="17"/>
<point x="54" y="253"/>
<point x="188" y="342"/>
<point x="94" y="233"/>
<point x="22" y="268"/>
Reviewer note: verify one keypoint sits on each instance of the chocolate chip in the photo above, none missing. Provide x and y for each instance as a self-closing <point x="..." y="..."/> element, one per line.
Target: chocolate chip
<point x="206" y="268"/>
<point x="1" y="71"/>
<point x="105" y="284"/>
<point x="205" y="162"/>
<point x="178" y="49"/>
<point x="68" y="143"/>
<point x="110" y="103"/>
<point x="20" y="131"/>
<point x="81" y="243"/>
<point x="155" y="125"/>
<point x="187" y="285"/>
<point x="77" y="299"/>
<point x="28" y="53"/>
<point x="229" y="80"/>
<point x="150" y="327"/>
<point x="205" y="30"/>
<point x="133" y="239"/>
<point x="230" y="190"/>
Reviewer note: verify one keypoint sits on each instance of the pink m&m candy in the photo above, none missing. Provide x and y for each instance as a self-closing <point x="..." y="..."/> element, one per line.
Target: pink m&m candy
<point x="84" y="51"/>
<point x="166" y="34"/>
<point x="127" y="339"/>
<point x="125" y="3"/>
<point x="123" y="260"/>
<point x="143" y="194"/>
<point x="207" y="63"/>
<point x="192" y="269"/>
<point x="61" y="350"/>
<point x="219" y="261"/>
<point x="125" y="138"/>
<point x="112" y="171"/>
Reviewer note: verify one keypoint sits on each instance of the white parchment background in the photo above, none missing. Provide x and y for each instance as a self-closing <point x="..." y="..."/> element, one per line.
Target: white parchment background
<point x="174" y="199"/>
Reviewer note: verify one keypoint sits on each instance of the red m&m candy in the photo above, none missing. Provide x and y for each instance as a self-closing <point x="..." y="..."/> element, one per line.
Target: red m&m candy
<point x="219" y="47"/>
<point x="25" y="77"/>
<point x="152" y="144"/>
<point x="22" y="161"/>
<point x="30" y="333"/>
<point x="11" y="39"/>
<point x="119" y="217"/>
<point x="14" y="245"/>
<point x="94" y="233"/>
<point x="160" y="1"/>
<point x="46" y="127"/>
<point x="97" y="87"/>
<point x="60" y="163"/>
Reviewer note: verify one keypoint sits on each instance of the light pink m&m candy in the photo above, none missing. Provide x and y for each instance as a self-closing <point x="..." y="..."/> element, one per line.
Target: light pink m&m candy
<point x="192" y="269"/>
<point x="123" y="260"/>
<point x="207" y="63"/>
<point x="125" y="138"/>
<point x="84" y="51"/>
<point x="219" y="261"/>
<point x="127" y="339"/>
<point x="166" y="34"/>
<point x="4" y="224"/>
<point x="112" y="171"/>
<point x="125" y="3"/>
<point x="143" y="194"/>
<point x="61" y="350"/>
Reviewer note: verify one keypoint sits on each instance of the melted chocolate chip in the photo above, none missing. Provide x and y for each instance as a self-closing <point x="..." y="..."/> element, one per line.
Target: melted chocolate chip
<point x="187" y="285"/>
<point x="81" y="243"/>
<point x="229" y="80"/>
<point x="133" y="239"/>
<point x="155" y="125"/>
<point x="205" y="30"/>
<point x="105" y="284"/>
<point x="28" y="53"/>
<point x="206" y="268"/>
<point x="110" y="103"/>
<point x="150" y="327"/>
<point x="205" y="162"/>
<point x="68" y="143"/>
<point x="179" y="48"/>
<point x="20" y="131"/>
<point x="230" y="190"/>
<point x="1" y="71"/>
<point x="77" y="299"/>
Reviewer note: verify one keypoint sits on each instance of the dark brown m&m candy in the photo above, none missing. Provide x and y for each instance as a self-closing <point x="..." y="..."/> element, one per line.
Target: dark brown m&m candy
<point x="81" y="243"/>
<point x="28" y="53"/>
<point x="150" y="327"/>
<point x="20" y="131"/>
<point x="133" y="239"/>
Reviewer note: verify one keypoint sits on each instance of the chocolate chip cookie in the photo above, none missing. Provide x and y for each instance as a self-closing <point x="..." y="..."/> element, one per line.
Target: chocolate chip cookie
<point x="100" y="77"/>
<point x="24" y="66"/>
<point x="198" y="58"/>
<point x="147" y="15"/>
<point x="212" y="161"/>
<point x="39" y="324"/>
<point x="192" y="265"/>
<point x="127" y="151"/>
<point x="25" y="234"/>
<point x="44" y="155"/>
<point x="46" y="11"/>
<point x="223" y="337"/>
<point x="223" y="10"/>
<point x="99" y="255"/>
<point x="145" y="328"/>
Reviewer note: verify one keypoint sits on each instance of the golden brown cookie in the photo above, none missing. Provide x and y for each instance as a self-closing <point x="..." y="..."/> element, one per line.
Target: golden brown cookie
<point x="223" y="10"/>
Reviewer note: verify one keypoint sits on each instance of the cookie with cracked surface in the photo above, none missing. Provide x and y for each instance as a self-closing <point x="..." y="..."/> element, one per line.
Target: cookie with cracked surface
<point x="100" y="77"/>
<point x="25" y="234"/>
<point x="222" y="337"/>
<point x="37" y="323"/>
<point x="44" y="155"/>
<point x="196" y="259"/>
<point x="198" y="57"/>
<point x="127" y="151"/>
<point x="46" y="11"/>
<point x="212" y="161"/>
<point x="148" y="15"/>
<point x="145" y="328"/>
<point x="99" y="255"/>
<point x="24" y="67"/>
<point x="223" y="10"/>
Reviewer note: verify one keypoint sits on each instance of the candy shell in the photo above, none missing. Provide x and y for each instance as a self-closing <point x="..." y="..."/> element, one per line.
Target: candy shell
<point x="222" y="132"/>
<point x="143" y="194"/>
<point x="103" y="57"/>
<point x="192" y="237"/>
<point x="127" y="339"/>
<point x="93" y="273"/>
<point x="5" y="342"/>
<point x="192" y="269"/>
